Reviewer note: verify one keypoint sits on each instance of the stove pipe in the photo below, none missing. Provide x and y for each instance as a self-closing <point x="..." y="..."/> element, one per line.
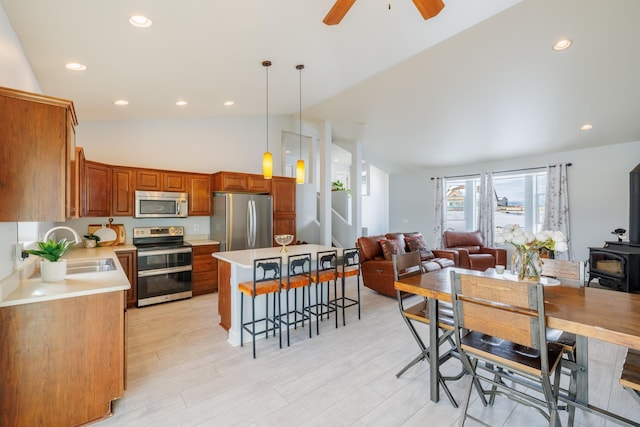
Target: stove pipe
<point x="634" y="205"/>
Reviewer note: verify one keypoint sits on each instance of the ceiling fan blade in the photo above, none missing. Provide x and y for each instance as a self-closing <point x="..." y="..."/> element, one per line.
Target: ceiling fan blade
<point x="429" y="8"/>
<point x="338" y="11"/>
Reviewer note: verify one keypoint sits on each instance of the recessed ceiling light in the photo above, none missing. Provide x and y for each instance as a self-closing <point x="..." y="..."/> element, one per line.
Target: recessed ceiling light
<point x="228" y="103"/>
<point x="562" y="44"/>
<point x="140" y="21"/>
<point x="287" y="152"/>
<point x="181" y="103"/>
<point x="74" y="66"/>
<point x="586" y="126"/>
<point x="121" y="102"/>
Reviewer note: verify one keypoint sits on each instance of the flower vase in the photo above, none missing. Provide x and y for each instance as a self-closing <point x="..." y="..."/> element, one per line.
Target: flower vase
<point x="53" y="271"/>
<point x="526" y="264"/>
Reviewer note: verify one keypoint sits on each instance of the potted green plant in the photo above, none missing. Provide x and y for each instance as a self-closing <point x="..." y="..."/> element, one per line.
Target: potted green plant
<point x="92" y="240"/>
<point x="52" y="268"/>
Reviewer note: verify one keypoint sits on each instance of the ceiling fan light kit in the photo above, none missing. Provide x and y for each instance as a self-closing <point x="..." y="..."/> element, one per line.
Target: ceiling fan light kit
<point x="427" y="8"/>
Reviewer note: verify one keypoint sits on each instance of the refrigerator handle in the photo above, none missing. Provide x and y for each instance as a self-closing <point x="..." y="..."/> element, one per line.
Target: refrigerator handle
<point x="251" y="223"/>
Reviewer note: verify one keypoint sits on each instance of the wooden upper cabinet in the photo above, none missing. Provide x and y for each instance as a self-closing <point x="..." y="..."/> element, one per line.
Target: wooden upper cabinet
<point x="199" y="189"/>
<point x="240" y="182"/>
<point x="174" y="181"/>
<point x="148" y="179"/>
<point x="158" y="180"/>
<point x="122" y="191"/>
<point x="36" y="134"/>
<point x="284" y="194"/>
<point x="97" y="189"/>
<point x="76" y="169"/>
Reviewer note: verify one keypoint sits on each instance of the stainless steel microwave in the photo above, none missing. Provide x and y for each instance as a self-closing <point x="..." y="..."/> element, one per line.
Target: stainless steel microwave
<point x="159" y="204"/>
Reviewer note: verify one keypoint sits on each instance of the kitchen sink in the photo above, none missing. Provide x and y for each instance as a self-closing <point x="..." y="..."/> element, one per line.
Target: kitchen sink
<point x="90" y="265"/>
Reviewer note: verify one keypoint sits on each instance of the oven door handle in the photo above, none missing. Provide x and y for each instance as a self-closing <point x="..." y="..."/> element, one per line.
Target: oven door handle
<point x="163" y="252"/>
<point x="160" y="271"/>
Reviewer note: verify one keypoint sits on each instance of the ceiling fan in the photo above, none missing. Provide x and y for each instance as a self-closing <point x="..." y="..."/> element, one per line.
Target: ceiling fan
<point x="428" y="9"/>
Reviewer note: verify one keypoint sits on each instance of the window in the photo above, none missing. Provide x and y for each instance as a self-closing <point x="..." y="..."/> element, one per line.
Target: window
<point x="519" y="199"/>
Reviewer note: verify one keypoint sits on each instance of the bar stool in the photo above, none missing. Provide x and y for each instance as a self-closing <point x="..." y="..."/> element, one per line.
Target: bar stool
<point x="299" y="276"/>
<point x="268" y="282"/>
<point x="350" y="267"/>
<point x="325" y="272"/>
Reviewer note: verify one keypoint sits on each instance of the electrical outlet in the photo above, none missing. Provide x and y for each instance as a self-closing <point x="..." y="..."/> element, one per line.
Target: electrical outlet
<point x="196" y="227"/>
<point x="18" y="248"/>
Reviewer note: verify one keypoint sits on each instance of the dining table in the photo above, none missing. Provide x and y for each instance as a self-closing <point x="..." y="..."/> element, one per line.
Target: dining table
<point x="595" y="313"/>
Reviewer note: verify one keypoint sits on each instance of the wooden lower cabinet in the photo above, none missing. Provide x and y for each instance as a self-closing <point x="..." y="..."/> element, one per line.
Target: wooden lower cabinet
<point x="129" y="262"/>
<point x="62" y="361"/>
<point x="204" y="274"/>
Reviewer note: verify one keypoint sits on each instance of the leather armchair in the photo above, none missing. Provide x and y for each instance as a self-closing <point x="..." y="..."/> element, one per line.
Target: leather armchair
<point x="472" y="254"/>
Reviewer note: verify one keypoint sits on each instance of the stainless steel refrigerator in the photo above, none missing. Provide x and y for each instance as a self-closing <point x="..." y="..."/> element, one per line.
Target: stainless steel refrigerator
<point x="242" y="221"/>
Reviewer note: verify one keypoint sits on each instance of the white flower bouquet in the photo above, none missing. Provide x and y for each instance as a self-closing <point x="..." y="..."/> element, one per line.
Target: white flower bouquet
<point x="526" y="261"/>
<point x="522" y="239"/>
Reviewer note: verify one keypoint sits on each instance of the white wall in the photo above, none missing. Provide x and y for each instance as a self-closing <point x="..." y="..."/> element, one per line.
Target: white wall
<point x="15" y="72"/>
<point x="375" y="206"/>
<point x="598" y="186"/>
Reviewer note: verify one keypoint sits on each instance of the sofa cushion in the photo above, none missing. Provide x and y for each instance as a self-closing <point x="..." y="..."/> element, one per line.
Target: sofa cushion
<point x="390" y="248"/>
<point x="417" y="243"/>
<point x="398" y="238"/>
<point x="369" y="247"/>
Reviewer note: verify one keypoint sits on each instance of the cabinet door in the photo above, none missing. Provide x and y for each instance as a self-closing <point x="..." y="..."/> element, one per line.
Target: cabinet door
<point x="148" y="180"/>
<point x="204" y="276"/>
<point x="284" y="194"/>
<point x="174" y="181"/>
<point x="199" y="195"/>
<point x="229" y="181"/>
<point x="97" y="189"/>
<point x="122" y="191"/>
<point x="284" y="224"/>
<point x="33" y="149"/>
<point x="257" y="184"/>
<point x="129" y="262"/>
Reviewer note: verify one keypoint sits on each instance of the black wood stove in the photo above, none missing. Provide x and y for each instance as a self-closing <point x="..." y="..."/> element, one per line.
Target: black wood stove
<point x="617" y="264"/>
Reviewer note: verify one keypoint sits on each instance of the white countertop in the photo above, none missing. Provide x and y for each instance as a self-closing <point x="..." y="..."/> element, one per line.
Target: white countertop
<point x="244" y="258"/>
<point x="201" y="242"/>
<point x="25" y="286"/>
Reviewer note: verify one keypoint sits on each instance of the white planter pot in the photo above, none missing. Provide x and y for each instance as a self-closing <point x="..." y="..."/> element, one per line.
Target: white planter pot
<point x="53" y="271"/>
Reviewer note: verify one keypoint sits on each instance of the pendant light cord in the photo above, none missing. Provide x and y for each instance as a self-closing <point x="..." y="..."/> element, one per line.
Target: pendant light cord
<point x="266" y="65"/>
<point x="300" y="68"/>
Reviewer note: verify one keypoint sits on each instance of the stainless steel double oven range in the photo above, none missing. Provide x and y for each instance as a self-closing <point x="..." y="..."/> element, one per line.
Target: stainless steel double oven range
<point x="164" y="264"/>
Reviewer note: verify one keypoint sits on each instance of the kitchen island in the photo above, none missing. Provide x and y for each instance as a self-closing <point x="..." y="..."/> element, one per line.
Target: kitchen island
<point x="235" y="267"/>
<point x="63" y="356"/>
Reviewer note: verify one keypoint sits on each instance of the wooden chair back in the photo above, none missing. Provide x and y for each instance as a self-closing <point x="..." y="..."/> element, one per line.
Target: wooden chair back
<point x="563" y="269"/>
<point x="406" y="265"/>
<point x="508" y="310"/>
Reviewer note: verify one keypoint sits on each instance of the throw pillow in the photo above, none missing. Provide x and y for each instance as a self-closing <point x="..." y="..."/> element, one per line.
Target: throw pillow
<point x="417" y="243"/>
<point x="390" y="248"/>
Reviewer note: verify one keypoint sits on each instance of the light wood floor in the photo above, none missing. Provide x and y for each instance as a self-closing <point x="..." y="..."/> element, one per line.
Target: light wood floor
<point x="182" y="372"/>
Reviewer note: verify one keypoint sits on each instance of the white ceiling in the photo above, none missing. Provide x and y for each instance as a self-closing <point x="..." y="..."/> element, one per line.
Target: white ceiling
<point x="478" y="82"/>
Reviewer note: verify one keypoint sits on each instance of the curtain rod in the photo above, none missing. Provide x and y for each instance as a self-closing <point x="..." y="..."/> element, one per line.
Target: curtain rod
<point x="505" y="171"/>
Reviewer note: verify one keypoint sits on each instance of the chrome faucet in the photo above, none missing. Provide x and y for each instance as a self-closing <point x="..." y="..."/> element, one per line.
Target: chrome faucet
<point x="76" y="236"/>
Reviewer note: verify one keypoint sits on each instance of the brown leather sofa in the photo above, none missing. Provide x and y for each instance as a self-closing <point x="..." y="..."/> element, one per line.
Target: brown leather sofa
<point x="472" y="253"/>
<point x="377" y="267"/>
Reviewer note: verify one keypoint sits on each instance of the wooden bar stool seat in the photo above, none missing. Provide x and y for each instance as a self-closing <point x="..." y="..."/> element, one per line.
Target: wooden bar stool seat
<point x="630" y="376"/>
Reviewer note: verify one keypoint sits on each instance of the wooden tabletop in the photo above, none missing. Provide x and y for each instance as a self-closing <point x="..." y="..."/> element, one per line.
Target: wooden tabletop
<point x="595" y="313"/>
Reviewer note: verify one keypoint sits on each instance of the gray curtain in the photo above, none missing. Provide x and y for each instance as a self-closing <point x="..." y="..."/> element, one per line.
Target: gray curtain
<point x="556" y="208"/>
<point x="438" y="217"/>
<point x="486" y="207"/>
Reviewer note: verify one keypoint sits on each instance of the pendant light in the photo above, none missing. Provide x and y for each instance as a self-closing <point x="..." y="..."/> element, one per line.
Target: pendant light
<point x="300" y="165"/>
<point x="267" y="158"/>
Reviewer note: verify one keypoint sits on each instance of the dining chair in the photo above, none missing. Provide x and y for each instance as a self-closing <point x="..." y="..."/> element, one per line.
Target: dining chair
<point x="267" y="280"/>
<point x="410" y="264"/>
<point x="499" y="328"/>
<point x="563" y="269"/>
<point x="326" y="271"/>
<point x="298" y="277"/>
<point x="630" y="375"/>
<point x="349" y="267"/>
